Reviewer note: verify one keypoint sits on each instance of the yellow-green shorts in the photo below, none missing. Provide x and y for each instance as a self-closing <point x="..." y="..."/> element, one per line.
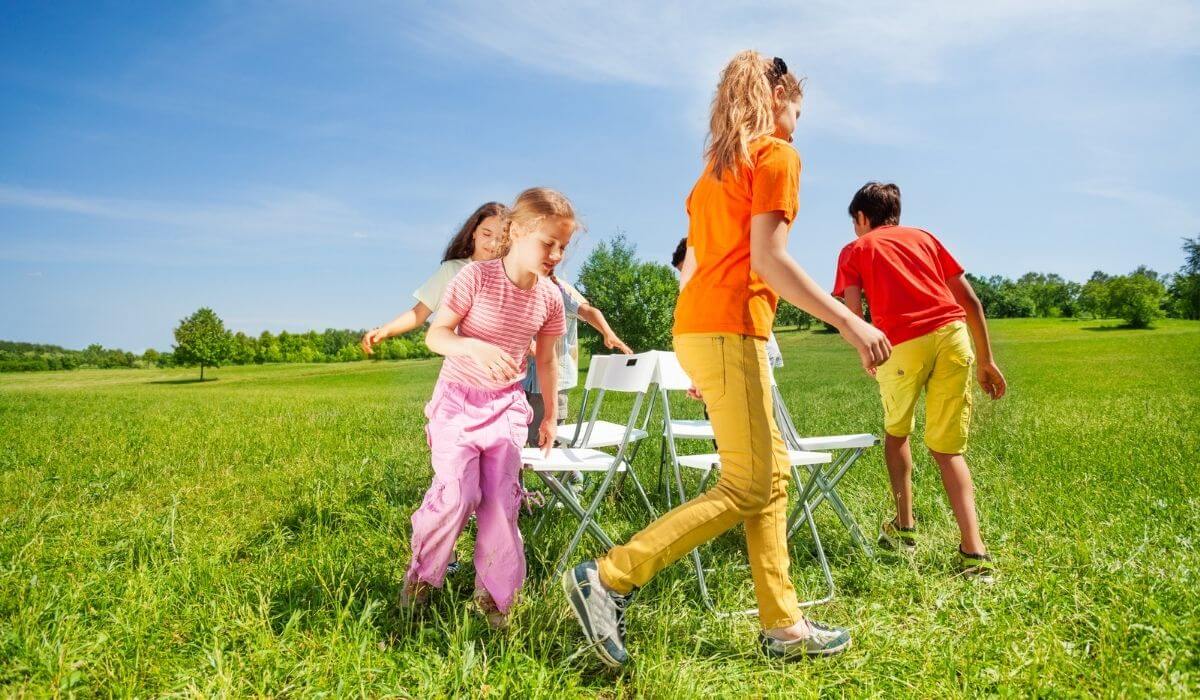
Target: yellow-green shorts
<point x="940" y="363"/>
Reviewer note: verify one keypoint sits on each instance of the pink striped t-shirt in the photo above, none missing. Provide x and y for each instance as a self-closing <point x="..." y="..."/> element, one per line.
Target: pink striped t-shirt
<point x="496" y="311"/>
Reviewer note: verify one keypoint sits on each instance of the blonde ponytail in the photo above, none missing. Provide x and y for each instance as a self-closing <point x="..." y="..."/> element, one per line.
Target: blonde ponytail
<point x="743" y="108"/>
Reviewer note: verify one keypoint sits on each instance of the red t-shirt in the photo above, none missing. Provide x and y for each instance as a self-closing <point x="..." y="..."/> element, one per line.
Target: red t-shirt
<point x="903" y="272"/>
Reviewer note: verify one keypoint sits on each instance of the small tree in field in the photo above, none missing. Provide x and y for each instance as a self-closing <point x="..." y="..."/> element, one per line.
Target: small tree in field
<point x="202" y="339"/>
<point x="1136" y="297"/>
<point x="638" y="298"/>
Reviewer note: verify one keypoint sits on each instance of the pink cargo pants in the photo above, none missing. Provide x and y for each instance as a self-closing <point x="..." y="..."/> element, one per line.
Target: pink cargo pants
<point x="475" y="438"/>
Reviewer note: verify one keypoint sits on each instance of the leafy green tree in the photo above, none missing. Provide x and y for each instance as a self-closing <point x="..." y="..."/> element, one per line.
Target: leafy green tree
<point x="1093" y="297"/>
<point x="1136" y="298"/>
<point x="637" y="298"/>
<point x="1184" y="291"/>
<point x="1051" y="294"/>
<point x="788" y="315"/>
<point x="243" y="349"/>
<point x="202" y="339"/>
<point x="268" y="349"/>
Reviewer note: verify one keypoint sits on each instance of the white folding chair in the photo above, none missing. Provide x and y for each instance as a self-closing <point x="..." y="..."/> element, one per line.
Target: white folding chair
<point x="671" y="377"/>
<point x="823" y="479"/>
<point x="599" y="433"/>
<point x="630" y="374"/>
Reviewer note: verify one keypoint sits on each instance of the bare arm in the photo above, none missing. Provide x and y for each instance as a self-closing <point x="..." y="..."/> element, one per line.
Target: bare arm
<point x="688" y="267"/>
<point x="988" y="373"/>
<point x="405" y="322"/>
<point x="852" y="296"/>
<point x="547" y="373"/>
<point x="442" y="339"/>
<point x="771" y="261"/>
<point x="595" y="318"/>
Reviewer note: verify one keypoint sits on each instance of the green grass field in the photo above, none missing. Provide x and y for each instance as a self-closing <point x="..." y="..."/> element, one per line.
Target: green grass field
<point x="248" y="535"/>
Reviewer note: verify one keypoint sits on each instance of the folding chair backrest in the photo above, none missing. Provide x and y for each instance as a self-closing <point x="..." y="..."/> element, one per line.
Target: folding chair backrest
<point x="621" y="373"/>
<point x="670" y="375"/>
<point x="630" y="373"/>
<point x="596" y="366"/>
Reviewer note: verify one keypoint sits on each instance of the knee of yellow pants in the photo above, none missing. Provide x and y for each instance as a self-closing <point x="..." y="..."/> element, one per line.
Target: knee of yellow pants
<point x="751" y="498"/>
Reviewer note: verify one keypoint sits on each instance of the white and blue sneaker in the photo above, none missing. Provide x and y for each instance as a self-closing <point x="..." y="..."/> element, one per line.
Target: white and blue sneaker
<point x="601" y="613"/>
<point x="822" y="640"/>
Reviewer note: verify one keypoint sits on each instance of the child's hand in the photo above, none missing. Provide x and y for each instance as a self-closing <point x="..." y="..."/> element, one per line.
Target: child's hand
<point x="372" y="337"/>
<point x="546" y="434"/>
<point x="612" y="342"/>
<point x="872" y="345"/>
<point x="694" y="393"/>
<point x="497" y="363"/>
<point x="991" y="379"/>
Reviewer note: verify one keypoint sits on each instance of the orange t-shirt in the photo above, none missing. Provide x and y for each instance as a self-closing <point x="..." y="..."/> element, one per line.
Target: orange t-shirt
<point x="903" y="272"/>
<point x="724" y="295"/>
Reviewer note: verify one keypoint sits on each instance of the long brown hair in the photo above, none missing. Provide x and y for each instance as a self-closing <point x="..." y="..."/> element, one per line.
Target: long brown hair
<point x="463" y="243"/>
<point x="743" y="108"/>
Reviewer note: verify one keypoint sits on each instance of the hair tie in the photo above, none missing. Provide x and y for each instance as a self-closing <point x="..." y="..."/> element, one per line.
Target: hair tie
<point x="778" y="67"/>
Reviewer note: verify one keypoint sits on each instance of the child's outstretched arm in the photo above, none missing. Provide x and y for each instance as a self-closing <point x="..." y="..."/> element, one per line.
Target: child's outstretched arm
<point x="405" y="322"/>
<point x="771" y="261"/>
<point x="988" y="373"/>
<point x="442" y="339"/>
<point x="546" y="356"/>
<point x="595" y="318"/>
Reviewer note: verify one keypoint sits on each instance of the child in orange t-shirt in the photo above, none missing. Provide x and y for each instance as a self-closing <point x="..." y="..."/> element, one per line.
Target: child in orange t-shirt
<point x="919" y="297"/>
<point x="739" y="213"/>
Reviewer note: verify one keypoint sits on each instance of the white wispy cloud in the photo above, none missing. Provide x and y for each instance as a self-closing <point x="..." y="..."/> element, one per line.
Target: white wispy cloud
<point x="669" y="43"/>
<point x="281" y="213"/>
<point x="1163" y="211"/>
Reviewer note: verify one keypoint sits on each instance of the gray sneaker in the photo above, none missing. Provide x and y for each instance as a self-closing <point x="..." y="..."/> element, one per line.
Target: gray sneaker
<point x="601" y="613"/>
<point x="823" y="641"/>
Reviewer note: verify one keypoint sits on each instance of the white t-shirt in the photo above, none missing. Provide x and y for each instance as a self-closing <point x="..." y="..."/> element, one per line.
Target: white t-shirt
<point x="774" y="355"/>
<point x="430" y="293"/>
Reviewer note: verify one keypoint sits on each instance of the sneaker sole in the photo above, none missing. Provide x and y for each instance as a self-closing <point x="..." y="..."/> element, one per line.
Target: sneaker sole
<point x="575" y="597"/>
<point x="816" y="654"/>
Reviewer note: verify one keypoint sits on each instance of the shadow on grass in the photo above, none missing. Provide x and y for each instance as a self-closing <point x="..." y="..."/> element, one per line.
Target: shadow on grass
<point x="1122" y="327"/>
<point x="192" y="380"/>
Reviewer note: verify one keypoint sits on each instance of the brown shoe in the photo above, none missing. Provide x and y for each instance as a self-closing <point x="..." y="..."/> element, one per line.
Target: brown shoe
<point x="414" y="594"/>
<point x="495" y="619"/>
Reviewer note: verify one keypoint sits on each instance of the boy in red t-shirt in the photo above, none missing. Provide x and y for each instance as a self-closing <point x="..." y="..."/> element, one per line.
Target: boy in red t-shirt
<point x="920" y="299"/>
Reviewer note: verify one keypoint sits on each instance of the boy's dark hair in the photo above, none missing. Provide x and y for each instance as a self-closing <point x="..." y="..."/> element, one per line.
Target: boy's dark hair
<point x="679" y="254"/>
<point x="880" y="203"/>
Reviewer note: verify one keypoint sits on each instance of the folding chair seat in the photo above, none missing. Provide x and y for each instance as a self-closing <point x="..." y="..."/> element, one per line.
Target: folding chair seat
<point x="629" y="374"/>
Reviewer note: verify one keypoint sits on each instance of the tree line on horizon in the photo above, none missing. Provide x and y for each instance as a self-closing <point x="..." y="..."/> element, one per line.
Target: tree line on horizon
<point x="638" y="299"/>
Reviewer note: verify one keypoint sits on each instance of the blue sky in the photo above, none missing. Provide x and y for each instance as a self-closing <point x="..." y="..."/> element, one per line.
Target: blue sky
<point x="299" y="166"/>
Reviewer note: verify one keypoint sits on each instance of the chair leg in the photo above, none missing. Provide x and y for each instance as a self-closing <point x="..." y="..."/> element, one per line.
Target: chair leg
<point x="812" y="526"/>
<point x="587" y="520"/>
<point x="641" y="491"/>
<point x="827" y="489"/>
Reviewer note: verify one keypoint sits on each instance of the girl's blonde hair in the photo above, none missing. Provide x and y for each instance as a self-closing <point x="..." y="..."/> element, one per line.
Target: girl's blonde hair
<point x="531" y="208"/>
<point x="743" y="109"/>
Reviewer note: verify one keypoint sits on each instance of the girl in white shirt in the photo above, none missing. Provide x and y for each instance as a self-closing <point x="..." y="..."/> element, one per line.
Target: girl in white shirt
<point x="477" y="239"/>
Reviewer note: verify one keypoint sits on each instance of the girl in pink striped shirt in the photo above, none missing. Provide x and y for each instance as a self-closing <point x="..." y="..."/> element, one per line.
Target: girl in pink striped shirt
<point x="478" y="416"/>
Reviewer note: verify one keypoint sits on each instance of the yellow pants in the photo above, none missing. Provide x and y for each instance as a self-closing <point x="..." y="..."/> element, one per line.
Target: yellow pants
<point x="940" y="363"/>
<point x="731" y="372"/>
